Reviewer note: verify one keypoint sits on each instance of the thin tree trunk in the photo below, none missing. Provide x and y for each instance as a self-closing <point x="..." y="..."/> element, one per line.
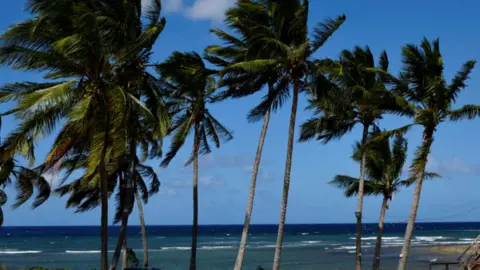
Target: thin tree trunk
<point x="358" y="213"/>
<point x="124" y="255"/>
<point x="378" y="246"/>
<point x="193" y="256"/>
<point x="248" y="215"/>
<point x="427" y="143"/>
<point x="286" y="180"/>
<point x="127" y="203"/>
<point x="120" y="243"/>
<point x="104" y="201"/>
<point x="143" y="228"/>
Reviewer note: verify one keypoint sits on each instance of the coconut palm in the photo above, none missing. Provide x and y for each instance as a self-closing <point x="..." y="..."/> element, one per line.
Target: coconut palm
<point x="132" y="59"/>
<point x="26" y="181"/>
<point x="82" y="43"/>
<point x="85" y="197"/>
<point x="71" y="45"/>
<point x="357" y="96"/>
<point x="384" y="165"/>
<point x="191" y="87"/>
<point x="241" y="18"/>
<point x="423" y="83"/>
<point x="286" y="50"/>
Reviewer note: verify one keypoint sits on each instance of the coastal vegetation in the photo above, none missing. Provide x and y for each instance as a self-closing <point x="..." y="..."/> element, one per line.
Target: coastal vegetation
<point x="109" y="107"/>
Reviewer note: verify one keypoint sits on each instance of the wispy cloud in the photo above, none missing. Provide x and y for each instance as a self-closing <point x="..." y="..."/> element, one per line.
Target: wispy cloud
<point x="263" y="174"/>
<point x="205" y="181"/>
<point x="209" y="9"/>
<point x="449" y="166"/>
<point x="213" y="10"/>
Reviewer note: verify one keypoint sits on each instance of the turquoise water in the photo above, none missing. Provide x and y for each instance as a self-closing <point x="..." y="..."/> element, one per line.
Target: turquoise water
<point x="326" y="246"/>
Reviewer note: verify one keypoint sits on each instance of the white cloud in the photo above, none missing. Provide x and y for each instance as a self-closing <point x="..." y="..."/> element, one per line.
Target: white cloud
<point x="454" y="165"/>
<point x="172" y="5"/>
<point x="209" y="9"/>
<point x="262" y="175"/>
<point x="170" y="192"/>
<point x="207" y="181"/>
<point x="53" y="179"/>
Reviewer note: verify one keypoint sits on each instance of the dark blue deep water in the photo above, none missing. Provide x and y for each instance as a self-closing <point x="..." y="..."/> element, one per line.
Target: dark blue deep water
<point x="309" y="246"/>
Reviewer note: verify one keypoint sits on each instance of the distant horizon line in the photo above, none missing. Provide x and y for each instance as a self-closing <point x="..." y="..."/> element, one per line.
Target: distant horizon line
<point x="256" y="224"/>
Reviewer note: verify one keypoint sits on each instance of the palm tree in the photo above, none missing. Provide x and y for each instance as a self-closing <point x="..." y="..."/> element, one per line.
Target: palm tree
<point x="423" y="83"/>
<point x="82" y="43"/>
<point x="357" y="96"/>
<point x="85" y="197"/>
<point x="26" y="181"/>
<point x="285" y="50"/>
<point x="133" y="56"/>
<point x="192" y="87"/>
<point x="241" y="19"/>
<point x="384" y="165"/>
<point x="72" y="46"/>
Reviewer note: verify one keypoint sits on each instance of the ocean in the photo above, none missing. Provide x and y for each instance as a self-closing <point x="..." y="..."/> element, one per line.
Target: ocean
<point x="308" y="246"/>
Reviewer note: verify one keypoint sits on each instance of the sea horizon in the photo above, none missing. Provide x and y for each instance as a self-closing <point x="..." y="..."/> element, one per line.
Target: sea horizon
<point x="305" y="246"/>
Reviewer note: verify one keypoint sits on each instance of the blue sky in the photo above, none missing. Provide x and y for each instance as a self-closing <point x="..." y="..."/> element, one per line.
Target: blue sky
<point x="225" y="174"/>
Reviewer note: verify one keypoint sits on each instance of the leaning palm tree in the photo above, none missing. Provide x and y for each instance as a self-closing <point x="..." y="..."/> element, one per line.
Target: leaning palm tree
<point x="286" y="50"/>
<point x="384" y="165"/>
<point x="191" y="87"/>
<point x="241" y="18"/>
<point x="358" y="96"/>
<point x="423" y="83"/>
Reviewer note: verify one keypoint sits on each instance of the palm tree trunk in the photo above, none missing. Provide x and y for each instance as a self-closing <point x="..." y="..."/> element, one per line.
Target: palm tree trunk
<point x="286" y="180"/>
<point x="196" y="146"/>
<point x="127" y="201"/>
<point x="427" y="143"/>
<point x="124" y="255"/>
<point x="143" y="228"/>
<point x="120" y="243"/>
<point x="104" y="201"/>
<point x="378" y="246"/>
<point x="358" y="213"/>
<point x="248" y="215"/>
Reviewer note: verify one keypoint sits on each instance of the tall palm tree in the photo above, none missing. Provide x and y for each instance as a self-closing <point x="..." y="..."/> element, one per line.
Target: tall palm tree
<point x="132" y="57"/>
<point x="384" y="165"/>
<point x="423" y="83"/>
<point x="191" y="87"/>
<point x="72" y="46"/>
<point x="287" y="51"/>
<point x="241" y="18"/>
<point x="358" y="97"/>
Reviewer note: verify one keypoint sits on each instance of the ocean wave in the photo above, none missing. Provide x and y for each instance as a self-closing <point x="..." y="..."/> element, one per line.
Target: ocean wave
<point x="430" y="238"/>
<point x="467" y="239"/>
<point x="15" y="252"/>
<point x="82" y="251"/>
<point x="175" y="248"/>
<point x="311" y="242"/>
<point x="160" y="237"/>
<point x="351" y="251"/>
<point x="345" y="248"/>
<point x="305" y="233"/>
<point x="215" y="247"/>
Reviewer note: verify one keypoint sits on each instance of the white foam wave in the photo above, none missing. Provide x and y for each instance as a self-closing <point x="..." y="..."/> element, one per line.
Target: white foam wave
<point x="305" y="233"/>
<point x="161" y="237"/>
<point x="82" y="251"/>
<point x="215" y="247"/>
<point x="15" y="252"/>
<point x="345" y="248"/>
<point x="351" y="251"/>
<point x="467" y="239"/>
<point x="176" y="248"/>
<point x="430" y="238"/>
<point x="311" y="242"/>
